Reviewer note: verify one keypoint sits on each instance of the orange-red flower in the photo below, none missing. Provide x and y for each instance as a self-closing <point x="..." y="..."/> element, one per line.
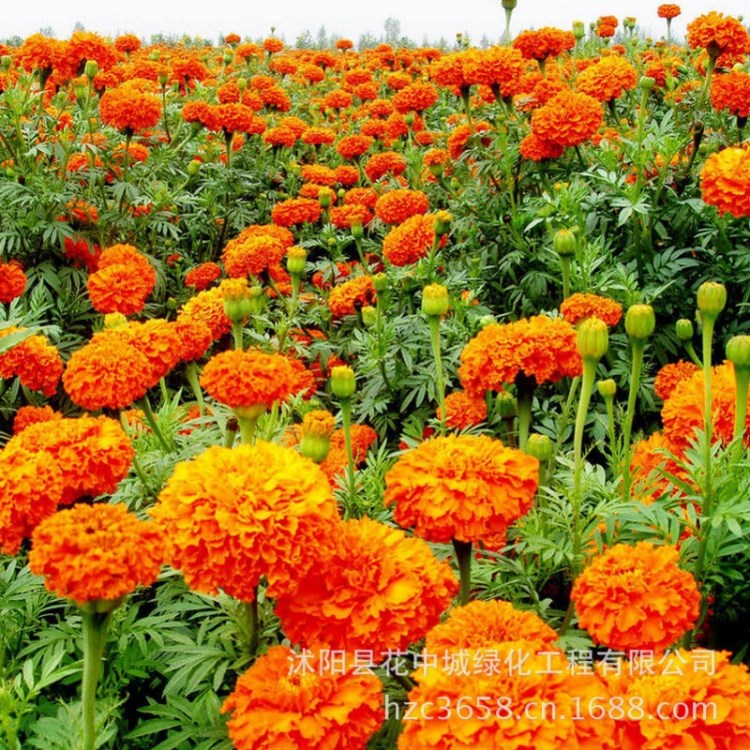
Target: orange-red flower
<point x="231" y="516"/>
<point x="636" y="597"/>
<point x="122" y="282"/>
<point x="34" y="361"/>
<point x="567" y="119"/>
<point x="731" y="91"/>
<point x="252" y="255"/>
<point x="12" y="282"/>
<point x="96" y="552"/>
<point x="469" y="488"/>
<point x="607" y="79"/>
<point x="579" y="306"/>
<point x="725" y="181"/>
<point x="29" y="415"/>
<point x="383" y="163"/>
<point x="540" y="347"/>
<point x="129" y="110"/>
<point x="542" y="43"/>
<point x="718" y="34"/>
<point x="344" y="298"/>
<point x="537" y="149"/>
<point x="374" y="588"/>
<point x="352" y="146"/>
<point x="296" y="211"/>
<point x="671" y="375"/>
<point x="201" y="277"/>
<point x="409" y="241"/>
<point x="207" y="307"/>
<point x="274" y="705"/>
<point x="649" y="466"/>
<point x="463" y="411"/>
<point x="396" y="206"/>
<point x="668" y="10"/>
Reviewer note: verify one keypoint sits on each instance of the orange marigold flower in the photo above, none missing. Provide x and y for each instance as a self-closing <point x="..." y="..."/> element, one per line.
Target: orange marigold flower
<point x="157" y="339"/>
<point x="353" y="146"/>
<point x="671" y="375"/>
<point x="93" y="453"/>
<point x="463" y="411"/>
<point x="416" y="97"/>
<point x="31" y="487"/>
<point x="396" y="206"/>
<point x="718" y="34"/>
<point x="731" y="91"/>
<point x="537" y="149"/>
<point x="336" y="462"/>
<point x="127" y="43"/>
<point x="208" y="308"/>
<point x="361" y="196"/>
<point x="649" y="466"/>
<point x="374" y="588"/>
<point x="470" y="488"/>
<point x="280" y="137"/>
<point x="271" y="45"/>
<point x="252" y="255"/>
<point x="194" y="338"/>
<point x="107" y="373"/>
<point x="296" y="211"/>
<point x="540" y="347"/>
<point x="683" y="411"/>
<point x="568" y="119"/>
<point x="668" y="10"/>
<point x="29" y="415"/>
<point x="580" y="306"/>
<point x="386" y="162"/>
<point x="344" y="298"/>
<point x="318" y="136"/>
<point x="319" y="174"/>
<point x="96" y="552"/>
<point x="120" y="288"/>
<point x="500" y="68"/>
<point x="35" y="362"/>
<point x="607" y="79"/>
<point x="410" y="241"/>
<point x="231" y="516"/>
<point x="202" y="276"/>
<point x="12" y="282"/>
<point x="543" y="43"/>
<point x="636" y="597"/>
<point x="459" y="138"/>
<point x="684" y="681"/>
<point x="234" y="118"/>
<point x="544" y="679"/>
<point x="484" y="625"/>
<point x="246" y="379"/>
<point x="129" y="110"/>
<point x="302" y="709"/>
<point x="344" y="217"/>
<point x="725" y="181"/>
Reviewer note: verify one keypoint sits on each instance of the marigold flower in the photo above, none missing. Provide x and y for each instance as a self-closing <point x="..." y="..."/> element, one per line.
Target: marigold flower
<point x="649" y="466"/>
<point x="208" y="307"/>
<point x="731" y="91"/>
<point x="718" y="34"/>
<point x="684" y="681"/>
<point x="96" y="552"/>
<point x="35" y="362"/>
<point x="344" y="298"/>
<point x="383" y="163"/>
<point x="671" y="375"/>
<point x="245" y="379"/>
<point x="194" y="339"/>
<point x="415" y="97"/>
<point x="308" y="710"/>
<point x="607" y="79"/>
<point x="129" y="110"/>
<point x="579" y="306"/>
<point x="353" y="146"/>
<point x="231" y="516"/>
<point x="12" y="282"/>
<point x="668" y="10"/>
<point x="280" y="137"/>
<point x="469" y="488"/>
<point x="93" y="453"/>
<point x="540" y="44"/>
<point x="568" y="119"/>
<point x="296" y="211"/>
<point x="540" y="347"/>
<point x="374" y="589"/>
<point x="537" y="149"/>
<point x="636" y="597"/>
<point x="29" y="415"/>
<point x="345" y="217"/>
<point x="31" y="487"/>
<point x="252" y="255"/>
<point x="725" y="181"/>
<point x="396" y="206"/>
<point x="157" y="339"/>
<point x="463" y="411"/>
<point x="409" y="241"/>
<point x="202" y="276"/>
<point x="318" y="136"/>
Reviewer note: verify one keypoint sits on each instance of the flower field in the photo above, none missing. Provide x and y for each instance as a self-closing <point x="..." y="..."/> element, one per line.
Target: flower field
<point x="381" y="398"/>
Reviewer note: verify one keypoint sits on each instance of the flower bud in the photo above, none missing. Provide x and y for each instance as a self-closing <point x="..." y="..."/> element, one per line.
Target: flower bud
<point x="257" y="299"/>
<point x="5" y="62"/>
<point x="712" y="297"/>
<point x="242" y="84"/>
<point x="738" y="351"/>
<point x="369" y="315"/>
<point x="565" y="242"/>
<point x="343" y="382"/>
<point x="154" y="55"/>
<point x="540" y="447"/>
<point x="684" y="329"/>
<point x="507" y="407"/>
<point x="91" y="69"/>
<point x="647" y="83"/>
<point x="380" y="282"/>
<point x="435" y="301"/>
<point x="317" y="427"/>
<point x="579" y="30"/>
<point x="593" y="339"/>
<point x="442" y="223"/>
<point x="357" y="230"/>
<point x="324" y="198"/>
<point x="296" y="258"/>
<point x="163" y="77"/>
<point x="114" y="320"/>
<point x="509" y="4"/>
<point x="194" y="167"/>
<point x="640" y="322"/>
<point x="607" y="388"/>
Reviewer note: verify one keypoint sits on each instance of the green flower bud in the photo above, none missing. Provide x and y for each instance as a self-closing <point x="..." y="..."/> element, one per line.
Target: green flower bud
<point x="565" y="242"/>
<point x="507" y="406"/>
<point x="593" y="339"/>
<point x="540" y="447"/>
<point x="91" y="69"/>
<point x="324" y="198"/>
<point x="509" y="4"/>
<point x="486" y="320"/>
<point x="315" y="447"/>
<point x="154" y="55"/>
<point x="640" y="322"/>
<point x="647" y="83"/>
<point x="738" y="351"/>
<point x="369" y="315"/>
<point x="296" y="257"/>
<point x="607" y="388"/>
<point x="435" y="301"/>
<point x="712" y="297"/>
<point x="5" y="62"/>
<point x="242" y="84"/>
<point x="194" y="167"/>
<point x="442" y="223"/>
<point x="343" y="382"/>
<point x="257" y="299"/>
<point x="684" y="329"/>
<point x="380" y="282"/>
<point x="357" y="230"/>
<point x="579" y="30"/>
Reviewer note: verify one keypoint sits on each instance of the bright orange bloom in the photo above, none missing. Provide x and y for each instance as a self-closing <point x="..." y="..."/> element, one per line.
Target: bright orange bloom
<point x="96" y="552"/>
<point x="345" y="217"/>
<point x="31" y="487"/>
<point x="579" y="306"/>
<point x="310" y="709"/>
<point x="383" y="163"/>
<point x="682" y="682"/>
<point x="295" y="211"/>
<point x="671" y="375"/>
<point x="246" y="379"/>
<point x="194" y="339"/>
<point x="127" y="43"/>
<point x="636" y="597"/>
<point x="122" y="282"/>
<point x="731" y="91"/>
<point x="12" y="282"/>
<point x="231" y="516"/>
<point x="208" y="308"/>
<point x="35" y="362"/>
<point x="485" y="625"/>
<point x="416" y="97"/>
<point x="344" y="298"/>
<point x="396" y="206"/>
<point x="725" y="181"/>
<point x="202" y="276"/>
<point x="252" y="255"/>
<point x="157" y="339"/>
<point x="353" y="146"/>
<point x="540" y="347"/>
<point x="668" y="10"/>
<point x="543" y="43"/>
<point x="470" y="488"/>
<point x="93" y="453"/>
<point x="463" y="411"/>
<point x="536" y="149"/>
<point x="374" y="588"/>
<point x="568" y="119"/>
<point x="409" y="241"/>
<point x="29" y="415"/>
<point x="718" y="34"/>
<point x="129" y="110"/>
<point x="648" y="465"/>
<point x="607" y="79"/>
<point x="318" y="136"/>
<point x="543" y="680"/>
<point x="500" y="68"/>
<point x="280" y="137"/>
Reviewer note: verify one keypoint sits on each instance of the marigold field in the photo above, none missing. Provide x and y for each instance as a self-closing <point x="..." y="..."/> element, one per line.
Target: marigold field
<point x="381" y="398"/>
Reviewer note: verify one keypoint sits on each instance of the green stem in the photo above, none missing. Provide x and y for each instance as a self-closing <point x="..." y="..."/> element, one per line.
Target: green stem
<point x="346" y="418"/>
<point x="690" y="349"/>
<point x="524" y="396"/>
<point x="253" y="623"/>
<point x="565" y="415"/>
<point x="463" y="556"/>
<point x="164" y="390"/>
<point x="742" y="381"/>
<point x="191" y="373"/>
<point x="230" y="433"/>
<point x="635" y="380"/>
<point x="152" y="423"/>
<point x="565" y="263"/>
<point x="237" y="334"/>
<point x="434" y="321"/>
<point x="95" y="625"/>
<point x="247" y="429"/>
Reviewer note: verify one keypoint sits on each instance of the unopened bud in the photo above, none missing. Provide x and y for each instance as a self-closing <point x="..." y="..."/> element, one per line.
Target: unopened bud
<point x="640" y="322"/>
<point x="343" y="382"/>
<point x="435" y="301"/>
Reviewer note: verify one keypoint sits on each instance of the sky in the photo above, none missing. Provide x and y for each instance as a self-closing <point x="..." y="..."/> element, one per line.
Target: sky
<point x="419" y="19"/>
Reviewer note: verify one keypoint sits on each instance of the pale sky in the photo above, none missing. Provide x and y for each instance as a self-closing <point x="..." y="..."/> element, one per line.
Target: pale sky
<point x="348" y="18"/>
